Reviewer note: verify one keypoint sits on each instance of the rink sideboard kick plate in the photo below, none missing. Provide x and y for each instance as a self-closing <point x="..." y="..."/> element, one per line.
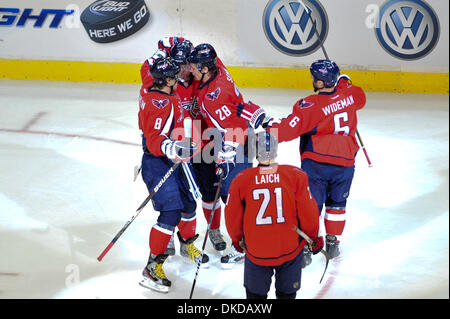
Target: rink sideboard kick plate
<point x="108" y="21"/>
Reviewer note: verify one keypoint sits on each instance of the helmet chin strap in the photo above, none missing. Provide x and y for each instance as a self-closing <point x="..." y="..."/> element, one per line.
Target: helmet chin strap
<point x="315" y="87"/>
<point x="203" y="75"/>
<point x="171" y="86"/>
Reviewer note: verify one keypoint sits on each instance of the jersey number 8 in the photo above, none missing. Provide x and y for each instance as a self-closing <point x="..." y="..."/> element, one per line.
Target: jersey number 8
<point x="158" y="123"/>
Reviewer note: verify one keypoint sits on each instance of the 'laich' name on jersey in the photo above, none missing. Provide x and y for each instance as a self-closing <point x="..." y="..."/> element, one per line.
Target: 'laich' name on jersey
<point x="269" y="178"/>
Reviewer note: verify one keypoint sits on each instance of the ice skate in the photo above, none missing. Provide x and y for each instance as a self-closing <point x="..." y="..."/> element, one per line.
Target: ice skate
<point x="192" y="253"/>
<point x="332" y="246"/>
<point x="216" y="239"/>
<point x="306" y="257"/>
<point x="170" y="250"/>
<point x="233" y="257"/>
<point x="153" y="275"/>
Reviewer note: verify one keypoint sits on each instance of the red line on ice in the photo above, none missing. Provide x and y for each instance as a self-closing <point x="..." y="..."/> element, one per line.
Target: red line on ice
<point x="329" y="282"/>
<point x="33" y="120"/>
<point x="10" y="274"/>
<point x="95" y="138"/>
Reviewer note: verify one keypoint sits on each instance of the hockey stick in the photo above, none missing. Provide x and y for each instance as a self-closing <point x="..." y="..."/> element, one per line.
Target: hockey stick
<point x="363" y="148"/>
<point x="327" y="57"/>
<point x="138" y="211"/>
<point x="206" y="235"/>
<point x="190" y="180"/>
<point x="310" y="242"/>
<point x="188" y="136"/>
<point x="137" y="170"/>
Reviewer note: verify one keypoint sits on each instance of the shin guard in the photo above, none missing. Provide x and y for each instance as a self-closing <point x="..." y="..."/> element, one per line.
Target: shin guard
<point x="159" y="238"/>
<point x="334" y="220"/>
<point x="207" y="210"/>
<point x="187" y="225"/>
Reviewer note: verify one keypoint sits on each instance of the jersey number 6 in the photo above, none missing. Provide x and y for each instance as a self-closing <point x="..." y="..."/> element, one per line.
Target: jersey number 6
<point x="265" y="192"/>
<point x="345" y="129"/>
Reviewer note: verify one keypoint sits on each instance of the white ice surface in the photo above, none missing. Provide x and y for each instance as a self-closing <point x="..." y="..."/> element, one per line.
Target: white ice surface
<point x="67" y="153"/>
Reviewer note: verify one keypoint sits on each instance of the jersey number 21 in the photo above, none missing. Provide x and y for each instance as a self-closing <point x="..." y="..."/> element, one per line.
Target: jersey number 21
<point x="261" y="219"/>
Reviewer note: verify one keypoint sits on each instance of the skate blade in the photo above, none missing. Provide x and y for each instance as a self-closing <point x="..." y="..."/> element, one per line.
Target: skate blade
<point x="150" y="284"/>
<point x="220" y="252"/>
<point x="204" y="265"/>
<point x="230" y="265"/>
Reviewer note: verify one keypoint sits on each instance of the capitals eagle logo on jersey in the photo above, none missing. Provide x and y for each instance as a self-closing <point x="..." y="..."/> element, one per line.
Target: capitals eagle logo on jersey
<point x="160" y="104"/>
<point x="304" y="105"/>
<point x="213" y="95"/>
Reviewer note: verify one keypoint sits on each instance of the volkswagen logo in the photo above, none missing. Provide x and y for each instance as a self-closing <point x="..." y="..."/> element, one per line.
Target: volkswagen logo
<point x="290" y="30"/>
<point x="407" y="29"/>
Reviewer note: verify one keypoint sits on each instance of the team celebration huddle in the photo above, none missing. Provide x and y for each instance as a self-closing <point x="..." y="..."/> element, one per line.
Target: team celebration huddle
<point x="203" y="142"/>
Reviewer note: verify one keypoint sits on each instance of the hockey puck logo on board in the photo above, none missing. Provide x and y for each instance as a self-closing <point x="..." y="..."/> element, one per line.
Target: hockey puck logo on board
<point x="407" y="29"/>
<point x="108" y="21"/>
<point x="289" y="29"/>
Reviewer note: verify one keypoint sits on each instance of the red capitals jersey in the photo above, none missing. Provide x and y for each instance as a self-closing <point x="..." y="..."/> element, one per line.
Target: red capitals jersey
<point x="218" y="98"/>
<point x="158" y="112"/>
<point x="185" y="90"/>
<point x="264" y="203"/>
<point x="327" y="125"/>
<point x="146" y="77"/>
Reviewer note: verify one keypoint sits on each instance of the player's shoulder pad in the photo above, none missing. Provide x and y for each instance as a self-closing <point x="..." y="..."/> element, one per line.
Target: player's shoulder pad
<point x="306" y="103"/>
<point x="238" y="180"/>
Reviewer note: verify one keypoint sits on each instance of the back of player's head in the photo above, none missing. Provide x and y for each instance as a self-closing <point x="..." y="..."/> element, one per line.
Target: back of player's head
<point x="326" y="71"/>
<point x="180" y="51"/>
<point x="204" y="55"/>
<point x="164" y="68"/>
<point x="266" y="146"/>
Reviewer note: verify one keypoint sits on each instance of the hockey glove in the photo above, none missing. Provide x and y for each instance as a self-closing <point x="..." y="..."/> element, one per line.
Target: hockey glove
<point x="166" y="43"/>
<point x="343" y="77"/>
<point x="226" y="159"/>
<point x="252" y="113"/>
<point x="159" y="54"/>
<point x="224" y="169"/>
<point x="194" y="108"/>
<point x="177" y="150"/>
<point x="316" y="245"/>
<point x="239" y="246"/>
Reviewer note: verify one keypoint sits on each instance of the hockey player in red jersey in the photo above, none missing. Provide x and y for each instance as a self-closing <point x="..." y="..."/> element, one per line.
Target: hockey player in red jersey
<point x="217" y="95"/>
<point x="326" y="123"/>
<point x="264" y="203"/>
<point x="159" y="108"/>
<point x="177" y="48"/>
